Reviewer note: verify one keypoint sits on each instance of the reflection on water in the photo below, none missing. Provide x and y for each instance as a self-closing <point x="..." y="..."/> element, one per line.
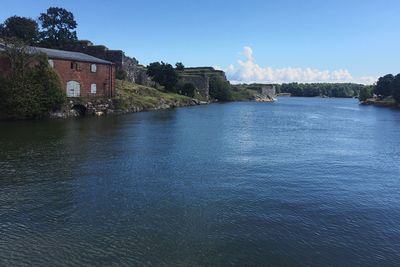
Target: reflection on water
<point x="298" y="182"/>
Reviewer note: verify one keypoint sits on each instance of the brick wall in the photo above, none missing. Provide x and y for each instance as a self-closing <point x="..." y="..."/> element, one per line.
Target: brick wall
<point x="104" y="77"/>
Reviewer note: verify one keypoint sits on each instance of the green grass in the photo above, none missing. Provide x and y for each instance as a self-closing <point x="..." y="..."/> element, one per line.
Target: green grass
<point x="130" y="95"/>
<point x="386" y="102"/>
<point x="242" y="93"/>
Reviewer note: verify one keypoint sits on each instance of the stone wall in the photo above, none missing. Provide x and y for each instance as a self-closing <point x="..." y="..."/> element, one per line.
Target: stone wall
<point x="268" y="90"/>
<point x="201" y="82"/>
<point x="135" y="72"/>
<point x="75" y="107"/>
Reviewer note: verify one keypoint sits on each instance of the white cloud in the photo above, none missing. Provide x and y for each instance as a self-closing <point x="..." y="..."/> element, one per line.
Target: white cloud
<point x="249" y="71"/>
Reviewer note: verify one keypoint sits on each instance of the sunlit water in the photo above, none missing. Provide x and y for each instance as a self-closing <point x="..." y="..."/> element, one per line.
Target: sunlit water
<point x="301" y="182"/>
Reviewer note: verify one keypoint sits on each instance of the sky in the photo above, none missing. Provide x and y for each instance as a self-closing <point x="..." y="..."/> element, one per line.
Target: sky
<point x="253" y="41"/>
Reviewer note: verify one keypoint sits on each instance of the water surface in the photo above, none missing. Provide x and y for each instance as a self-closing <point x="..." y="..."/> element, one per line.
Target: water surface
<point x="301" y="182"/>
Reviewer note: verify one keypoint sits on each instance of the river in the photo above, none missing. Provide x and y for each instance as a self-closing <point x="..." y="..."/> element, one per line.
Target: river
<point x="299" y="182"/>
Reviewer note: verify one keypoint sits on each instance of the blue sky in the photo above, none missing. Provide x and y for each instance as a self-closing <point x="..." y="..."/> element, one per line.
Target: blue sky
<point x="275" y="40"/>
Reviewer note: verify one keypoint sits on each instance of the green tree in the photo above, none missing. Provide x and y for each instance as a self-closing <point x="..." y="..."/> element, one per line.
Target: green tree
<point x="179" y="66"/>
<point x="24" y="29"/>
<point x="164" y="74"/>
<point x="365" y="93"/>
<point x="32" y="89"/>
<point x="58" y="28"/>
<point x="121" y="74"/>
<point x="384" y="85"/>
<point x="220" y="89"/>
<point x="396" y="88"/>
<point x="188" y="89"/>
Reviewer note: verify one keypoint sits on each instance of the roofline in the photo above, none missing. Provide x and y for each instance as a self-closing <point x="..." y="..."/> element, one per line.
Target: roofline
<point x="87" y="61"/>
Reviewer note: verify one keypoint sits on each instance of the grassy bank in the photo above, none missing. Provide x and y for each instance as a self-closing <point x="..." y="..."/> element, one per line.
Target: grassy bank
<point x="131" y="97"/>
<point x="242" y="92"/>
<point x="384" y="102"/>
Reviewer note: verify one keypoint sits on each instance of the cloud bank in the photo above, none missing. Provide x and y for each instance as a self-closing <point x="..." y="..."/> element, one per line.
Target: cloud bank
<point x="248" y="71"/>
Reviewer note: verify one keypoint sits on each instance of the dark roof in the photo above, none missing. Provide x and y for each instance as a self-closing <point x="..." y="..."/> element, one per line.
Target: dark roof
<point x="61" y="54"/>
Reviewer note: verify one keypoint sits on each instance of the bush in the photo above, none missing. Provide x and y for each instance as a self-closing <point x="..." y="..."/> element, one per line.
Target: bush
<point x="32" y="93"/>
<point x="396" y="88"/>
<point x="188" y="89"/>
<point x="121" y="74"/>
<point x="365" y="93"/>
<point x="220" y="89"/>
<point x="164" y="74"/>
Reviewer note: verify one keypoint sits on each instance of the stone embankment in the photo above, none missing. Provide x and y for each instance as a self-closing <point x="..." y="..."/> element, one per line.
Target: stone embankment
<point x="77" y="107"/>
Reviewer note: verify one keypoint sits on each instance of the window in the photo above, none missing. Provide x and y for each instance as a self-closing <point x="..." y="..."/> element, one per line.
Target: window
<point x="93" y="67"/>
<point x="73" y="89"/>
<point x="76" y="66"/>
<point x="93" y="88"/>
<point x="51" y="63"/>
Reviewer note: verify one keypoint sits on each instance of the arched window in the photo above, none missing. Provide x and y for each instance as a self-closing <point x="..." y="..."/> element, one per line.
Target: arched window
<point x="73" y="89"/>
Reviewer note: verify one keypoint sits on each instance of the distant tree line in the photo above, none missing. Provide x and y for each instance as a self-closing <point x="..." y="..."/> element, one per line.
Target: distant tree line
<point x="54" y="29"/>
<point x="321" y="89"/>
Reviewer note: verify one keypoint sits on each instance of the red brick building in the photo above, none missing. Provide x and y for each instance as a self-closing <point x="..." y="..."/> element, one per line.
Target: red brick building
<point x="82" y="75"/>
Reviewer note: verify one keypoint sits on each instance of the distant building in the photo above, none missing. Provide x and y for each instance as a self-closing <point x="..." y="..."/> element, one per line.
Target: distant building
<point x="82" y="75"/>
<point x="268" y="90"/>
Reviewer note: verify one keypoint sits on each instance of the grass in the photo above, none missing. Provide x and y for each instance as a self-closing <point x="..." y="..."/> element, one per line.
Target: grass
<point x="134" y="96"/>
<point x="242" y="93"/>
<point x="386" y="102"/>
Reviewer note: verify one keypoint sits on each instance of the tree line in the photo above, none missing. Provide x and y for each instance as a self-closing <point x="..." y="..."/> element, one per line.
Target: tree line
<point x="321" y="89"/>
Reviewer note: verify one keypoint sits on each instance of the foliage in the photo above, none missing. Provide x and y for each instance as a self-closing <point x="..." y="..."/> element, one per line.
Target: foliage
<point x="242" y="93"/>
<point x="164" y="74"/>
<point x="384" y="85"/>
<point x="130" y="95"/>
<point x="24" y="29"/>
<point x="58" y="28"/>
<point x="121" y="74"/>
<point x="396" y="88"/>
<point x="220" y="89"/>
<point x="179" y="66"/>
<point x="188" y="89"/>
<point x="388" y="87"/>
<point x="365" y="93"/>
<point x="32" y="89"/>
<point x="321" y="89"/>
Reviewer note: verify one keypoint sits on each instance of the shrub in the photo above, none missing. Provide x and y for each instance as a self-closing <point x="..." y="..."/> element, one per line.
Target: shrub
<point x="188" y="89"/>
<point x="32" y="92"/>
<point x="365" y="93"/>
<point x="220" y="89"/>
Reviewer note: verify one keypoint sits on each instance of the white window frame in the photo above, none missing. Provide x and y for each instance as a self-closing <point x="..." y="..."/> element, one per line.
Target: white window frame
<point x="51" y="63"/>
<point x="93" y="68"/>
<point x="93" y="88"/>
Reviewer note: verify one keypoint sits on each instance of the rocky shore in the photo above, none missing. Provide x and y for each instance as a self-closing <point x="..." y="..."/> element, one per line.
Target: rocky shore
<point x="129" y="98"/>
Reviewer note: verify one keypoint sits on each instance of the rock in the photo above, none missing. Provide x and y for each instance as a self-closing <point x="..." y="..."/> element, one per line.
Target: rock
<point x="58" y="115"/>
